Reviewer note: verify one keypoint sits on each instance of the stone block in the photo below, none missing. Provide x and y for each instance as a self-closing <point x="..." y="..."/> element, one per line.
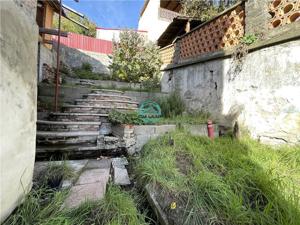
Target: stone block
<point x="91" y="186"/>
<point x="87" y="192"/>
<point x="121" y="176"/>
<point x="98" y="164"/>
<point x="93" y="176"/>
<point x="119" y="162"/>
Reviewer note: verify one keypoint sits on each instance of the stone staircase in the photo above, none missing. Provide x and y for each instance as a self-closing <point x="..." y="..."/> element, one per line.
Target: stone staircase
<point x="82" y="130"/>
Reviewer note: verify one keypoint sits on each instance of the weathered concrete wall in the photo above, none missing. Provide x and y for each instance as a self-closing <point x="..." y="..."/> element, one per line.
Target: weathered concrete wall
<point x="19" y="38"/>
<point x="263" y="95"/>
<point x="145" y="133"/>
<point x="257" y="16"/>
<point x="75" y="57"/>
<point x="103" y="83"/>
<point x="70" y="94"/>
<point x="46" y="56"/>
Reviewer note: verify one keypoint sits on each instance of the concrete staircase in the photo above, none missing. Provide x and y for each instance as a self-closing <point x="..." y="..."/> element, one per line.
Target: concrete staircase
<point x="82" y="130"/>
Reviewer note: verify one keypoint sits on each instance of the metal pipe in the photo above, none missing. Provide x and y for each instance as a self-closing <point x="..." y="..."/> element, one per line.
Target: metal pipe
<point x="58" y="59"/>
<point x="210" y="129"/>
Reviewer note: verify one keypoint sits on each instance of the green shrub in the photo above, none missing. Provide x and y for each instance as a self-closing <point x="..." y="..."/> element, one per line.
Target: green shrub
<point x="249" y="39"/>
<point x="135" y="60"/>
<point x="87" y="66"/>
<point x="203" y="10"/>
<point x="117" y="117"/>
<point x="172" y="105"/>
<point x="86" y="72"/>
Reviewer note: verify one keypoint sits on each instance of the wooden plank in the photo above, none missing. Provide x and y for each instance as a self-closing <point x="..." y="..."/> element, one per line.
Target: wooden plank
<point x="43" y="30"/>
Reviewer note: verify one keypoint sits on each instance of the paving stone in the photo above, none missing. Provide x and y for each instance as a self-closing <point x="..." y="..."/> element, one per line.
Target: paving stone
<point x="121" y="176"/>
<point x="93" y="176"/>
<point x="77" y="165"/>
<point x="119" y="162"/>
<point x="91" y="185"/>
<point x="82" y="193"/>
<point x="100" y="164"/>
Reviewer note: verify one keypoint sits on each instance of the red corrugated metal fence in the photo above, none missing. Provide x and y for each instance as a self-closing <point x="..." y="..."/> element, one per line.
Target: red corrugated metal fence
<point x="86" y="43"/>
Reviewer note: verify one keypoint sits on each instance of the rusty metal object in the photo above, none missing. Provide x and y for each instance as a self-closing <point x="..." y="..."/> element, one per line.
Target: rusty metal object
<point x="58" y="58"/>
<point x="210" y="129"/>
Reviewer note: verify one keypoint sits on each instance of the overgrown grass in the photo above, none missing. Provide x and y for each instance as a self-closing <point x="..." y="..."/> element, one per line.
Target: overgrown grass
<point x="54" y="173"/>
<point x="43" y="207"/>
<point x="224" y="181"/>
<point x="198" y="118"/>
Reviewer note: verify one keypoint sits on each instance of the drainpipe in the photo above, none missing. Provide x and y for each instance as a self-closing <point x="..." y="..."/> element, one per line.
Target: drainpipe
<point x="58" y="60"/>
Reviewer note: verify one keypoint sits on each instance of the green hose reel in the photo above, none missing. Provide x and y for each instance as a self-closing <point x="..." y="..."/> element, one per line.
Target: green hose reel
<point x="149" y="111"/>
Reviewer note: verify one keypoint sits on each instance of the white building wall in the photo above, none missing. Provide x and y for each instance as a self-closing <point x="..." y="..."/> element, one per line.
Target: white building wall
<point x="108" y="34"/>
<point x="112" y="34"/>
<point x="151" y="22"/>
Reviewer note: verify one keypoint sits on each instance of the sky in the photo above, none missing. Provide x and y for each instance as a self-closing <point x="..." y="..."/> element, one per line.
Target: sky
<point x="109" y="13"/>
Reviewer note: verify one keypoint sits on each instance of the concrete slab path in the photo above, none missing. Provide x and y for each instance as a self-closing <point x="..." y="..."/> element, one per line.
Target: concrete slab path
<point x="91" y="185"/>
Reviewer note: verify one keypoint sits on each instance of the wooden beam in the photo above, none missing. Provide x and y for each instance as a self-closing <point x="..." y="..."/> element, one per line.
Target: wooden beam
<point x="43" y="30"/>
<point x="73" y="11"/>
<point x="49" y="42"/>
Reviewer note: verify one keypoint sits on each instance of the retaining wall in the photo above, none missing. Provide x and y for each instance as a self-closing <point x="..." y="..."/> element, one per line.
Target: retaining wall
<point x="75" y="57"/>
<point x="18" y="89"/>
<point x="145" y="133"/>
<point x="261" y="93"/>
<point x="103" y="83"/>
<point x="70" y="94"/>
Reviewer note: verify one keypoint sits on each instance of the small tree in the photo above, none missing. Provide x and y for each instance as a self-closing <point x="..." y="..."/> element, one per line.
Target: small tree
<point x="69" y="26"/>
<point x="204" y="9"/>
<point x="135" y="60"/>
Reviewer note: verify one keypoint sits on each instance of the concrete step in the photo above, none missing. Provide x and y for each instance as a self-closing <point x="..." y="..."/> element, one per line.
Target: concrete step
<point x="93" y="117"/>
<point x="60" y="126"/>
<point x="106" y="103"/>
<point x="71" y="137"/>
<point x="95" y="109"/>
<point x="106" y="97"/>
<point x="66" y="148"/>
<point x="107" y="91"/>
<point x="77" y="151"/>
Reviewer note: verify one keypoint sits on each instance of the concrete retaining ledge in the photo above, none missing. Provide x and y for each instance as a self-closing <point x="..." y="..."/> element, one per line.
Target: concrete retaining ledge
<point x="200" y="129"/>
<point x="161" y="216"/>
<point x="145" y="133"/>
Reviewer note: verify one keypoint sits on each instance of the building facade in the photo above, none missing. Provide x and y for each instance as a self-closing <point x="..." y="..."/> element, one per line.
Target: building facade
<point x="156" y="15"/>
<point x="110" y="34"/>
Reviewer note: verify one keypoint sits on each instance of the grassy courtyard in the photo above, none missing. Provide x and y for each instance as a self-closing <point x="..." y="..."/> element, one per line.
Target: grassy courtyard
<point x="224" y="181"/>
<point x="43" y="207"/>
